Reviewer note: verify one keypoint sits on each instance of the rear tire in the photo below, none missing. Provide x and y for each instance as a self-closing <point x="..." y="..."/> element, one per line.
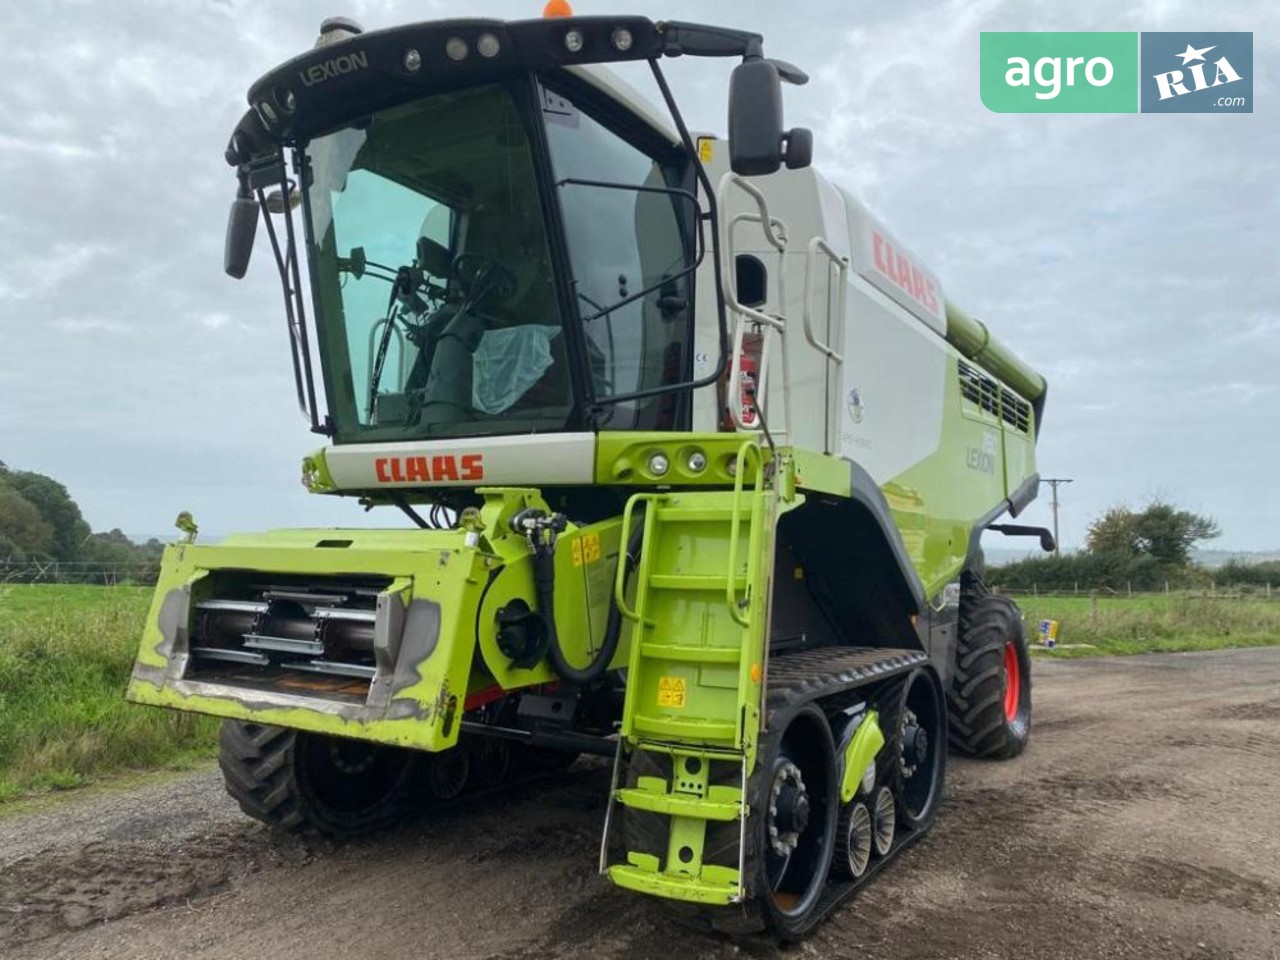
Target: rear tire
<point x="292" y="780"/>
<point x="989" y="705"/>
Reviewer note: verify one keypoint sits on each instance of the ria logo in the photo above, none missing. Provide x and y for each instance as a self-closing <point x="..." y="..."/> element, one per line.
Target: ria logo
<point x="1197" y="72"/>
<point x="1171" y="84"/>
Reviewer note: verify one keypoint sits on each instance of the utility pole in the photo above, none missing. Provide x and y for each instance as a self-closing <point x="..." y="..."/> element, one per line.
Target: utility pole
<point x="1055" y="482"/>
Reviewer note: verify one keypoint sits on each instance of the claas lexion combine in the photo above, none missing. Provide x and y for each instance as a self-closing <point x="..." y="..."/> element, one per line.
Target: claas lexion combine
<point x="697" y="457"/>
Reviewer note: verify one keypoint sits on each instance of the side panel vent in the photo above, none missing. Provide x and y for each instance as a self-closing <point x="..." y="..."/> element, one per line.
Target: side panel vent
<point x="987" y="395"/>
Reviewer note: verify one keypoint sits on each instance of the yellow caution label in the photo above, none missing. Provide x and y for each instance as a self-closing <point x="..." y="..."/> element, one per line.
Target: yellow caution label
<point x="706" y="149"/>
<point x="671" y="691"/>
<point x="586" y="549"/>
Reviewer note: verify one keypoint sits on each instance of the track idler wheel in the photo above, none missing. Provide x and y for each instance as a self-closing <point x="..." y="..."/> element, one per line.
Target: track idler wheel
<point x="920" y="744"/>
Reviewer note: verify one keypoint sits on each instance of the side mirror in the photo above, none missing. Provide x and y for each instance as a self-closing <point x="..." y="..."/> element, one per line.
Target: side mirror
<point x="758" y="144"/>
<point x="242" y="226"/>
<point x="799" y="152"/>
<point x="755" y="118"/>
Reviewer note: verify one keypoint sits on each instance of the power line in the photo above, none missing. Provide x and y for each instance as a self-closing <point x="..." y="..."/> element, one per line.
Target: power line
<point x="1055" y="482"/>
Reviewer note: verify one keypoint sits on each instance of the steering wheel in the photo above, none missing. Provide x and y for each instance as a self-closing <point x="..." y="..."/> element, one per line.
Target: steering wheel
<point x="480" y="275"/>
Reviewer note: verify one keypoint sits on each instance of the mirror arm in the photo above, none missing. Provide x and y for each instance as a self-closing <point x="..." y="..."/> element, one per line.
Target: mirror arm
<point x="789" y="72"/>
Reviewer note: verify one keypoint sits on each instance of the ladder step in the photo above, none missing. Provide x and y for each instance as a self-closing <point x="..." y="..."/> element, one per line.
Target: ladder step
<point x="679" y="805"/>
<point x="693" y="581"/>
<point x="689" y="731"/>
<point x="672" y="651"/>
<point x="717" y="885"/>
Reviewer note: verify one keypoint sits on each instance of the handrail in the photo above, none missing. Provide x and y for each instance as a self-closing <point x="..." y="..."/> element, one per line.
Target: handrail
<point x="728" y="278"/>
<point x="816" y="245"/>
<point x="620" y="575"/>
<point x="731" y="596"/>
<point x="775" y="233"/>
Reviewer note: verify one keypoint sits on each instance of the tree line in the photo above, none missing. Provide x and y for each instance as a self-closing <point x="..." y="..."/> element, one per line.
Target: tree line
<point x="1146" y="549"/>
<point x="41" y="525"/>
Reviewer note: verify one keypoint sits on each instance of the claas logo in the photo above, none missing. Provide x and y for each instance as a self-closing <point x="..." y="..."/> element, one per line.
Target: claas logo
<point x="429" y="469"/>
<point x="897" y="266"/>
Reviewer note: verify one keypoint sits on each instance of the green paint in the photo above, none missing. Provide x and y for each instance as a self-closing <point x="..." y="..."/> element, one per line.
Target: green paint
<point x="936" y="502"/>
<point x="624" y="458"/>
<point x="862" y="749"/>
<point x="451" y="568"/>
<point x="719" y="886"/>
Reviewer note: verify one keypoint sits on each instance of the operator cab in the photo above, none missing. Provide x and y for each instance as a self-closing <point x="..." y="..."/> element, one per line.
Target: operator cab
<point x="500" y="239"/>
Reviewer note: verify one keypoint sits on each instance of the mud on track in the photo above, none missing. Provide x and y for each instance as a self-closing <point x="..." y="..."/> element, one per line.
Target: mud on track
<point x="1144" y="822"/>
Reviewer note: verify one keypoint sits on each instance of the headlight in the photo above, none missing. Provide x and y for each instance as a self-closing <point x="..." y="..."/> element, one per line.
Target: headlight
<point x="456" y="48"/>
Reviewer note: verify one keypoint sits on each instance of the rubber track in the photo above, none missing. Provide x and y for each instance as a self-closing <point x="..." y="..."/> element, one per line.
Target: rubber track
<point x="832" y="675"/>
<point x="837" y="676"/>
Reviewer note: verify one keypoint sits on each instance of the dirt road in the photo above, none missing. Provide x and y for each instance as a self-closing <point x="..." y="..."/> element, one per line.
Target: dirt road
<point x="1144" y="822"/>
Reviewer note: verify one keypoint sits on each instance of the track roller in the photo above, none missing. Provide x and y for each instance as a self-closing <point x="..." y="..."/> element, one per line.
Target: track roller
<point x="853" y="841"/>
<point x="884" y="821"/>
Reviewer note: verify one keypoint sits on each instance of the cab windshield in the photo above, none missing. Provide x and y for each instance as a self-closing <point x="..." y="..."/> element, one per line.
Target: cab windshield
<point x="437" y="307"/>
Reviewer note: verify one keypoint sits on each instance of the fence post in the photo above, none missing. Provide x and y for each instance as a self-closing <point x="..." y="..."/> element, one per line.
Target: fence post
<point x="1268" y="591"/>
<point x="1129" y="584"/>
<point x="1035" y="589"/>
<point x="1077" y="588"/>
<point x="1093" y="605"/>
<point x="1213" y="587"/>
<point x="1166" y="587"/>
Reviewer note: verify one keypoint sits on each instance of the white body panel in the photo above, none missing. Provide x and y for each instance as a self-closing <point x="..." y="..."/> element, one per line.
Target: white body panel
<point x="529" y="459"/>
<point x="892" y="386"/>
<point x="881" y="404"/>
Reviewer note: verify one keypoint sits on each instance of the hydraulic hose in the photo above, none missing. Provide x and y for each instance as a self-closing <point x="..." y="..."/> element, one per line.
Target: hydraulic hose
<point x="544" y="578"/>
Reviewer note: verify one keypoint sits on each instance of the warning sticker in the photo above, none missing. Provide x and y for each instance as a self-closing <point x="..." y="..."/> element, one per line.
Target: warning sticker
<point x="586" y="549"/>
<point x="671" y="692"/>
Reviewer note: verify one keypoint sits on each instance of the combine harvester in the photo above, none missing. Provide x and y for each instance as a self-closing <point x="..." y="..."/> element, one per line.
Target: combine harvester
<point x="697" y="456"/>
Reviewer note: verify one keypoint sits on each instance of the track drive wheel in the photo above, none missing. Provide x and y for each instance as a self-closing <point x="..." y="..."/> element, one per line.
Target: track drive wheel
<point x="989" y="705"/>
<point x="293" y="780"/>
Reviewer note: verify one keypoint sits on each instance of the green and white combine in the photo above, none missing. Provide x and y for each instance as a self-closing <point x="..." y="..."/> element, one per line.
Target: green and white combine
<point x="697" y="457"/>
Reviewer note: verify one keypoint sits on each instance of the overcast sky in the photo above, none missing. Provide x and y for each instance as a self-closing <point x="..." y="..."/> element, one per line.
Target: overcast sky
<point x="1134" y="259"/>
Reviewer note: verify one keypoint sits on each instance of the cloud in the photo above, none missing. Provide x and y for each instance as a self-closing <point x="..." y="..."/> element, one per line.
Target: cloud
<point x="1132" y="258"/>
<point x="87" y="324"/>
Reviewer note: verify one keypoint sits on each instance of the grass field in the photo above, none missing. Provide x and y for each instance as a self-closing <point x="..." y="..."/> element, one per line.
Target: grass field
<point x="65" y="655"/>
<point x="66" y="652"/>
<point x="1155" y="623"/>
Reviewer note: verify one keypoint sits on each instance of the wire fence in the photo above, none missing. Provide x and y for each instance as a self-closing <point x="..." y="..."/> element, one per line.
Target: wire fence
<point x="146" y="572"/>
<point x="142" y="572"/>
<point x="1211" y="591"/>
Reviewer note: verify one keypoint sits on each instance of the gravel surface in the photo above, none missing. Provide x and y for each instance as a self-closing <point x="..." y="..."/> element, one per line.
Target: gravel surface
<point x="1143" y="822"/>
